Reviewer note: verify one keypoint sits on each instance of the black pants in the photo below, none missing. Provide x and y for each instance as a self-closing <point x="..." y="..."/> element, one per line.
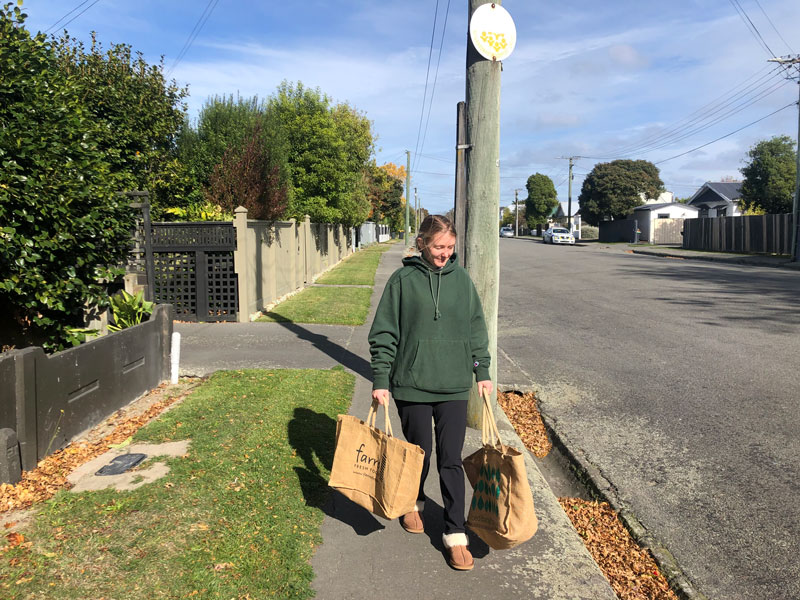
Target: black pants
<point x="450" y="423"/>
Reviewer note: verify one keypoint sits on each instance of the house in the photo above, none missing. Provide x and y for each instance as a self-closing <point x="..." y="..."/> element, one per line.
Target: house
<point x="718" y="199"/>
<point x="648" y="215"/>
<point x="663" y="198"/>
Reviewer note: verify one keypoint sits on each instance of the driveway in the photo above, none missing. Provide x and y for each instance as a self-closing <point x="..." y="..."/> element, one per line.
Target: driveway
<point x="678" y="380"/>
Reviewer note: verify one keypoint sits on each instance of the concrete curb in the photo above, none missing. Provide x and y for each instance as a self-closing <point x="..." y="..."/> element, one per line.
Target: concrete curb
<point x="603" y="489"/>
<point x="753" y="261"/>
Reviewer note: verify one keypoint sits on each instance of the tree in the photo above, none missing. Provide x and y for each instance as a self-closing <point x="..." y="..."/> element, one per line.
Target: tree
<point x="612" y="190"/>
<point x="139" y="116"/>
<point x="330" y="151"/>
<point x="385" y="193"/>
<point x="251" y="176"/>
<point x="63" y="228"/>
<point x="542" y="199"/>
<point x="768" y="184"/>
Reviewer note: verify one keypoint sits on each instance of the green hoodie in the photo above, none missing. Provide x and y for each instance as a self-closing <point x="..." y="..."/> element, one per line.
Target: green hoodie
<point x="429" y="334"/>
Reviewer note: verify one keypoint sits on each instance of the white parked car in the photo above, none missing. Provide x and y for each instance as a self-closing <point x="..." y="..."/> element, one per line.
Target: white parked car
<point x="558" y="235"/>
<point x="506" y="232"/>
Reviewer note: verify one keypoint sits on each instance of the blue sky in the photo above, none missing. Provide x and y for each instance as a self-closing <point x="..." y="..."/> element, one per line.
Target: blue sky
<point x="605" y="80"/>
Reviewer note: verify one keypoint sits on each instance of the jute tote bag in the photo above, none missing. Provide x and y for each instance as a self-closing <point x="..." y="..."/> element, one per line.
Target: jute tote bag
<point x="501" y="512"/>
<point x="375" y="469"/>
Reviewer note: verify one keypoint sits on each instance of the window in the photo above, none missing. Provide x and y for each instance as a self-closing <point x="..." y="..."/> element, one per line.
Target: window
<point x="663" y="215"/>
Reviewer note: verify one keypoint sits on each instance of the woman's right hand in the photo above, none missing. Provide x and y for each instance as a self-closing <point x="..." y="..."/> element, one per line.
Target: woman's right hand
<point x="381" y="396"/>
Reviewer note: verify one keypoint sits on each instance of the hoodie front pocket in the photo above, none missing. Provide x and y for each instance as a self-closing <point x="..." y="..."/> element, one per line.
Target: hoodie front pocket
<point x="442" y="366"/>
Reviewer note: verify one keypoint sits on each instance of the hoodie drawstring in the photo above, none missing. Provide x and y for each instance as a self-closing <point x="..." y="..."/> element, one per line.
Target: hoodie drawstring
<point x="436" y="313"/>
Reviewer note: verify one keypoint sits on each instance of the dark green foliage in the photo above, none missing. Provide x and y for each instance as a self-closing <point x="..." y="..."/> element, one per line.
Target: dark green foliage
<point x="139" y="117"/>
<point x="614" y="189"/>
<point x="62" y="225"/>
<point x="541" y="200"/>
<point x="329" y="152"/>
<point x="238" y="155"/>
<point x="769" y="177"/>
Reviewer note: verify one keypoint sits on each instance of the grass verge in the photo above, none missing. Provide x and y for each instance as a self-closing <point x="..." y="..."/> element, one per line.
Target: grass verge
<point x="357" y="269"/>
<point x="329" y="306"/>
<point x="237" y="517"/>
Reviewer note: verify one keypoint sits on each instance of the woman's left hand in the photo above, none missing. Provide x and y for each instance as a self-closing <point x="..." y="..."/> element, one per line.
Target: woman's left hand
<point x="485" y="385"/>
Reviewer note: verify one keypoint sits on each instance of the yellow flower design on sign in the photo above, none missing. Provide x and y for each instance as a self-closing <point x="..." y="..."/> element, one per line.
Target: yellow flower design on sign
<point x="495" y="40"/>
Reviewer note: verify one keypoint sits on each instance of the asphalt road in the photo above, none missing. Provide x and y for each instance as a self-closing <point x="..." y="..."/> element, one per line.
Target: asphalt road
<point x="679" y="380"/>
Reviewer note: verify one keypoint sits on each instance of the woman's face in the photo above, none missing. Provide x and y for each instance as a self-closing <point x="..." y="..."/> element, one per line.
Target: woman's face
<point x="440" y="249"/>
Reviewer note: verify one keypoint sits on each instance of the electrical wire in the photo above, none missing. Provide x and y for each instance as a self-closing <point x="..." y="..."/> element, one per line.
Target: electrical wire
<point x="751" y="26"/>
<point x="212" y="4"/>
<point x="775" y="29"/>
<point x="55" y="25"/>
<point x="703" y="113"/>
<point x="425" y="92"/>
<point x="435" y="77"/>
<point x="727" y="134"/>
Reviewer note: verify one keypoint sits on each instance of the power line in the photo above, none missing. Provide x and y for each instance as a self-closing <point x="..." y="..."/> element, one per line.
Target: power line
<point x="54" y="25"/>
<point x="427" y="74"/>
<point x="703" y="113"/>
<point x="728" y="134"/>
<point x="194" y="33"/>
<point x="435" y="77"/>
<point x="775" y="29"/>
<point x="751" y="26"/>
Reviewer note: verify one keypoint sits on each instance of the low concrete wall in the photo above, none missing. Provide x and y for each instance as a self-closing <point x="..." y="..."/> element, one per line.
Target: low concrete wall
<point x="47" y="400"/>
<point x="274" y="258"/>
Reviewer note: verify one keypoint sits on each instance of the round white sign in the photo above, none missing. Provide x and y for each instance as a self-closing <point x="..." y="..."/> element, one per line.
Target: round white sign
<point x="492" y="32"/>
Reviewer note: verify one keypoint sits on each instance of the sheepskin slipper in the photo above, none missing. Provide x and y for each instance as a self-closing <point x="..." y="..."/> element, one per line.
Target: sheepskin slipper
<point x="412" y="522"/>
<point x="458" y="555"/>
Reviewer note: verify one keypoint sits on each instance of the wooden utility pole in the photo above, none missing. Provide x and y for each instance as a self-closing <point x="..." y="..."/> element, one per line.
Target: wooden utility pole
<point x="516" y="210"/>
<point x="460" y="204"/>
<point x="416" y="214"/>
<point x="483" y="193"/>
<point x="408" y="195"/>
<point x="795" y="61"/>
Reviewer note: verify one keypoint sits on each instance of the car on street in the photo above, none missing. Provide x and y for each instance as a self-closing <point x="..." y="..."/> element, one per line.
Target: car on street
<point x="506" y="232"/>
<point x="558" y="235"/>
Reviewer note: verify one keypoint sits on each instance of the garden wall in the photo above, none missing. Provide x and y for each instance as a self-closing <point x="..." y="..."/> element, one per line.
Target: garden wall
<point x="48" y="400"/>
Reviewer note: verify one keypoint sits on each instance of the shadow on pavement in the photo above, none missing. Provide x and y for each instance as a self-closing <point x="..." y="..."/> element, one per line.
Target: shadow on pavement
<point x="342" y="355"/>
<point x="313" y="434"/>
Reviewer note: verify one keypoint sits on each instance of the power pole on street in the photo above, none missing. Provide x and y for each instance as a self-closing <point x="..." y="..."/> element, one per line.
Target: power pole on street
<point x="408" y="195"/>
<point x="569" y="188"/>
<point x="460" y="200"/>
<point x="516" y="209"/>
<point x="416" y="214"/>
<point x="795" y="61"/>
<point x="491" y="38"/>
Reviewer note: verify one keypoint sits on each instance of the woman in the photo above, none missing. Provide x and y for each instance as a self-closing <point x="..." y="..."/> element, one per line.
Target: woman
<point x="428" y="338"/>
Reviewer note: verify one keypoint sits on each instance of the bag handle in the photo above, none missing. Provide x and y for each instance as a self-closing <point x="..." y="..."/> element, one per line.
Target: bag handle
<point x="489" y="433"/>
<point x="373" y="413"/>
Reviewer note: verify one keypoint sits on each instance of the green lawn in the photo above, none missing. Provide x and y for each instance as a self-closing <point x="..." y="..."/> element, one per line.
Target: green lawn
<point x="334" y="305"/>
<point x="357" y="269"/>
<point x="330" y="306"/>
<point x="237" y="517"/>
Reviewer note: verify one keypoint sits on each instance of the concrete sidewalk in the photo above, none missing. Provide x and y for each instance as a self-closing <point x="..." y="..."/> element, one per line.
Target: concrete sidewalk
<point x="363" y="556"/>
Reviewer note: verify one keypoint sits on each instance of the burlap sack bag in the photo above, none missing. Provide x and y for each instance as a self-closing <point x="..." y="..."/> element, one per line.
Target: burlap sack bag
<point x="375" y="469"/>
<point x="501" y="512"/>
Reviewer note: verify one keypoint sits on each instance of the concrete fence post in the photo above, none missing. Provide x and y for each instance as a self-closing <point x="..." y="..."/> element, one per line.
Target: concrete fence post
<point x="241" y="263"/>
<point x="308" y="249"/>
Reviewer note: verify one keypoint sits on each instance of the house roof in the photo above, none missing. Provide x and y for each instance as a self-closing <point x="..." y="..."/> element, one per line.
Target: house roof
<point x="727" y="191"/>
<point x="663" y="205"/>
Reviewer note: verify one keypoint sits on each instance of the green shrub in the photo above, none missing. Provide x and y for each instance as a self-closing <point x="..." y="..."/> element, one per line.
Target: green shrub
<point x="61" y="221"/>
<point x="129" y="310"/>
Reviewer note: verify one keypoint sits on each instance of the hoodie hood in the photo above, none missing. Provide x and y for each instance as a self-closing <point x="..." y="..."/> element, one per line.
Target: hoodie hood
<point x="424" y="265"/>
<point x="435" y="288"/>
